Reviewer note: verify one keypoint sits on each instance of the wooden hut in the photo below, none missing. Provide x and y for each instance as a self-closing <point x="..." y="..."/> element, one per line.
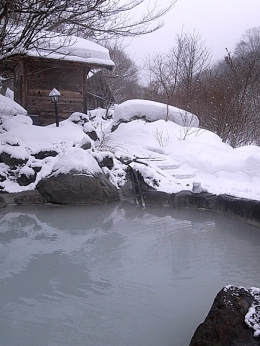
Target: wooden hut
<point x="32" y="75"/>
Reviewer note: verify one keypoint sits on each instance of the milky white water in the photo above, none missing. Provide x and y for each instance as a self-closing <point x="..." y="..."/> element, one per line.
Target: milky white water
<point x="116" y="275"/>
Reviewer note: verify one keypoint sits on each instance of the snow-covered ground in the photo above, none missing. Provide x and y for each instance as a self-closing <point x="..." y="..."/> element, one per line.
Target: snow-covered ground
<point x="170" y="157"/>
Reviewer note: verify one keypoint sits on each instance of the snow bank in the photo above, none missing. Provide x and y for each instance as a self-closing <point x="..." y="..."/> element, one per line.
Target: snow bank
<point x="9" y="107"/>
<point x="153" y="111"/>
<point x="178" y="156"/>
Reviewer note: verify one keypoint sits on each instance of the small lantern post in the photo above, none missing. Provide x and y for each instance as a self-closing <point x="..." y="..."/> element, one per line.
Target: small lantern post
<point x="54" y="95"/>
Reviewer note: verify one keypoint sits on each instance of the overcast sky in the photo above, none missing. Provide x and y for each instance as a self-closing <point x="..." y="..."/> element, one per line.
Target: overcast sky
<point x="221" y="23"/>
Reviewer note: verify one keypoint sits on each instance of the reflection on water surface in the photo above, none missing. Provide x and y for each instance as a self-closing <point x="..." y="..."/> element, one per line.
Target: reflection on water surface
<point x="116" y="275"/>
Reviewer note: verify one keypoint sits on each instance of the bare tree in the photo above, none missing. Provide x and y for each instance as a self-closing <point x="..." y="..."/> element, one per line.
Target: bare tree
<point x="216" y="106"/>
<point x="245" y="76"/>
<point x="108" y="87"/>
<point x="99" y="93"/>
<point x="152" y="91"/>
<point x="226" y="96"/>
<point x="164" y="75"/>
<point x="124" y="79"/>
<point x="196" y="59"/>
<point x="249" y="43"/>
<point x="178" y="71"/>
<point x="229" y="99"/>
<point x="247" y="52"/>
<point x="24" y="22"/>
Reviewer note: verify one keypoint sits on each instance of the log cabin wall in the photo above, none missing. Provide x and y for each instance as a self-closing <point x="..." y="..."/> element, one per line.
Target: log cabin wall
<point x="40" y="76"/>
<point x="19" y="92"/>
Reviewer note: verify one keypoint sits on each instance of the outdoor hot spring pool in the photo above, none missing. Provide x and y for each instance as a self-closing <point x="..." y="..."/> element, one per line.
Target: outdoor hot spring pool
<point x="116" y="275"/>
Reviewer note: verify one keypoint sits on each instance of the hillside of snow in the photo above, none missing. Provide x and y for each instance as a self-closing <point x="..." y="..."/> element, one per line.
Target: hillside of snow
<point x="169" y="156"/>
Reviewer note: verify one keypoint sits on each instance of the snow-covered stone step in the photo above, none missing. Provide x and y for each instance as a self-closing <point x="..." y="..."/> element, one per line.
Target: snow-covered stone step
<point x="168" y="167"/>
<point x="176" y="171"/>
<point x="184" y="175"/>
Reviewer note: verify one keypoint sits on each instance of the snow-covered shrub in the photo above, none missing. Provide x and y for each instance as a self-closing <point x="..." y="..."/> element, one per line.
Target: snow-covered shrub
<point x="163" y="136"/>
<point x="103" y="141"/>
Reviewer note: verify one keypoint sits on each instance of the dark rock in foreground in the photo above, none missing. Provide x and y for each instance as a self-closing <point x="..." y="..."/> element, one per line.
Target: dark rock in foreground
<point x="77" y="189"/>
<point x="225" y="324"/>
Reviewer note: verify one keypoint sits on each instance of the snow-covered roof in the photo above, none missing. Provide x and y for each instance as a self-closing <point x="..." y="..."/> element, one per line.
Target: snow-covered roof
<point x="70" y="48"/>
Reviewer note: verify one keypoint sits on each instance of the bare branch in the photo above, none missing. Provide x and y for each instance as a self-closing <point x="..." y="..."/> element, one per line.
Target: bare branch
<point x="23" y="20"/>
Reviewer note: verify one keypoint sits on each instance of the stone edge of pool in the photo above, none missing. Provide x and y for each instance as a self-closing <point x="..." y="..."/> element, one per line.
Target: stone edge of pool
<point x="240" y="208"/>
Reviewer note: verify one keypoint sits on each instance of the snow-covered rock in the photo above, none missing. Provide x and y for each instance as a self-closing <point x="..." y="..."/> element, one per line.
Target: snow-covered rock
<point x="152" y="111"/>
<point x="12" y="114"/>
<point x="9" y="107"/>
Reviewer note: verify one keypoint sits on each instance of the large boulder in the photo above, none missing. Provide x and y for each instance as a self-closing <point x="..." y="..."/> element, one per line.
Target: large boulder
<point x="232" y="319"/>
<point x="76" y="178"/>
<point x="75" y="188"/>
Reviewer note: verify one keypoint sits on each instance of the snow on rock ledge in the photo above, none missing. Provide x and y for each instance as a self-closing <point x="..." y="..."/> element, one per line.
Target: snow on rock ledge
<point x="152" y="111"/>
<point x="252" y="318"/>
